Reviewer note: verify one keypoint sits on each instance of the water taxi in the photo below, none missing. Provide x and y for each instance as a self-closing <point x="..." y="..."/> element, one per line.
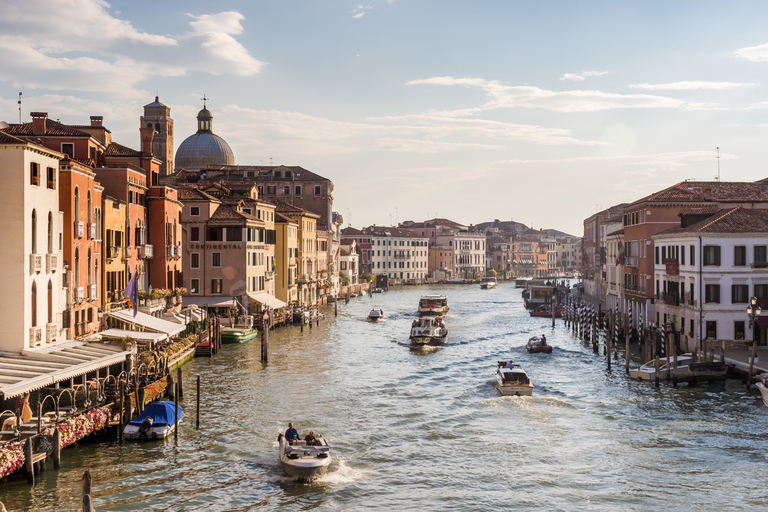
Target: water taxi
<point x="488" y="283"/>
<point x="521" y="282"/>
<point x="304" y="459"/>
<point x="511" y="380"/>
<point x="433" y="305"/>
<point x="429" y="330"/>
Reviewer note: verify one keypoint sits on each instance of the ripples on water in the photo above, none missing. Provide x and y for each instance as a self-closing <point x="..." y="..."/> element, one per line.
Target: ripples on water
<point x="427" y="430"/>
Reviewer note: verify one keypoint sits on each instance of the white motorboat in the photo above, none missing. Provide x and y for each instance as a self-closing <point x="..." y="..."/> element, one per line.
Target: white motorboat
<point x="430" y="330"/>
<point x="762" y="385"/>
<point x="156" y="422"/>
<point x="375" y="315"/>
<point x="511" y="379"/>
<point x="433" y="305"/>
<point x="304" y="461"/>
<point x="489" y="283"/>
<point x="686" y="370"/>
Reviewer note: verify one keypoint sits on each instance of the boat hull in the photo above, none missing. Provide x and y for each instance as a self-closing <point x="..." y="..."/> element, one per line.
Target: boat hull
<point x="156" y="432"/>
<point x="304" y="462"/>
<point x="433" y="311"/>
<point x="418" y="341"/>
<point x="763" y="391"/>
<point x="539" y="350"/>
<point x="512" y="390"/>
<point x="238" y="336"/>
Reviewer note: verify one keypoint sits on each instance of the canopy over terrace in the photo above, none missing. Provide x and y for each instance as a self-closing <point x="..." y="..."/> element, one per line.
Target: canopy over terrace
<point x="39" y="368"/>
<point x="267" y="299"/>
<point x="211" y="302"/>
<point x="144" y="322"/>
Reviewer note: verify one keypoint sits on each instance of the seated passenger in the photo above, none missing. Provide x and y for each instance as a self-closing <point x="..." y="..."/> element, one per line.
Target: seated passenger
<point x="291" y="435"/>
<point x="311" y="440"/>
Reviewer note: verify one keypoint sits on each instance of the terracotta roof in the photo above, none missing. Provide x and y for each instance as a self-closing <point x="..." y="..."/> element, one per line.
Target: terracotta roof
<point x="708" y="191"/>
<point x="192" y="193"/>
<point x="225" y="212"/>
<point x="281" y="219"/>
<point x="350" y="231"/>
<point x="52" y="128"/>
<point x="286" y="208"/>
<point x="115" y="149"/>
<point x="266" y="172"/>
<point x="10" y="139"/>
<point x="391" y="231"/>
<point x="731" y="220"/>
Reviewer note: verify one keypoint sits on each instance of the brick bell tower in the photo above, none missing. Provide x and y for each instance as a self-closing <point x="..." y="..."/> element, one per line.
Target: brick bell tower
<point x="158" y="117"/>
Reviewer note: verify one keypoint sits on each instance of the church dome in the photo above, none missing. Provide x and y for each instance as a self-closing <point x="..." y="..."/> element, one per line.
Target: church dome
<point x="204" y="148"/>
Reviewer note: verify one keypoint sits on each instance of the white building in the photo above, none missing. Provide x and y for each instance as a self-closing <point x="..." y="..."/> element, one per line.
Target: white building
<point x="469" y="253"/>
<point x="705" y="273"/>
<point x="398" y="253"/>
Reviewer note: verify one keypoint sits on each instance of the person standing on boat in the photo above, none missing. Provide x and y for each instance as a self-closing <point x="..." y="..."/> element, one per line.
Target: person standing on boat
<point x="291" y="435"/>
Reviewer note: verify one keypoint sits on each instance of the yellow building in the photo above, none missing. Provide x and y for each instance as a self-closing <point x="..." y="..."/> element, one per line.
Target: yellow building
<point x="286" y="258"/>
<point x="114" y="276"/>
<point x="307" y="280"/>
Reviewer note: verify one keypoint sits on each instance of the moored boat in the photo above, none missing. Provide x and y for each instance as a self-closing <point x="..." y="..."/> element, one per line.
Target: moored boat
<point x="762" y="385"/>
<point x="304" y="460"/>
<point x="686" y="370"/>
<point x="539" y="295"/>
<point x="375" y="315"/>
<point x="238" y="334"/>
<point x="155" y="422"/>
<point x="521" y="282"/>
<point x="511" y="379"/>
<point x="545" y="312"/>
<point x="429" y="330"/>
<point x="538" y="344"/>
<point x="488" y="283"/>
<point x="433" y="305"/>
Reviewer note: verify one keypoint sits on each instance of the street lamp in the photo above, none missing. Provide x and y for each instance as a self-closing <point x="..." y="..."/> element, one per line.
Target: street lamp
<point x="753" y="310"/>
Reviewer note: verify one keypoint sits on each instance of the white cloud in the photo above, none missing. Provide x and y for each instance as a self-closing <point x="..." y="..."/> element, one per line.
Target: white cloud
<point x="753" y="53"/>
<point x="78" y="45"/>
<point x="578" y="78"/>
<point x="360" y="11"/>
<point x="690" y="86"/>
<point x="502" y="96"/>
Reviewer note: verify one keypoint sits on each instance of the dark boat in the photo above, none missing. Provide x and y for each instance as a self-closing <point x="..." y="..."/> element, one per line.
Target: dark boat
<point x="538" y="344"/>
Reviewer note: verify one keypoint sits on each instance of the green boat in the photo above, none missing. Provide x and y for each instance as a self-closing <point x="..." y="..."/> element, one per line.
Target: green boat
<point x="238" y="334"/>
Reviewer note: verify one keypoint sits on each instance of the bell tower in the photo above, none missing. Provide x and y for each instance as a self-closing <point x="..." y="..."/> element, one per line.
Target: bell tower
<point x="158" y="117"/>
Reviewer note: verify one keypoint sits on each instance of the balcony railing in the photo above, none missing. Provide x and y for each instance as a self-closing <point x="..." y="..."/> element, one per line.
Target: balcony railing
<point x="670" y="299"/>
<point x="126" y="253"/>
<point x="634" y="288"/>
<point x="35" y="263"/>
<point x="35" y="336"/>
<point x="760" y="264"/>
<point x="51" y="262"/>
<point x="92" y="230"/>
<point x="630" y="261"/>
<point x="50" y="332"/>
<point x="145" y="251"/>
<point x="93" y="292"/>
<point x="79" y="229"/>
<point x="79" y="293"/>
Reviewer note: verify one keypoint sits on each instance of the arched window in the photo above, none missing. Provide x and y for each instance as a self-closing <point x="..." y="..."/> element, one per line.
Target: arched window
<point x="34" y="304"/>
<point x="149" y="125"/>
<point x="128" y="232"/>
<point x="175" y="230"/>
<point x="157" y="127"/>
<point x="77" y="268"/>
<point x="50" y="233"/>
<point x="77" y="204"/>
<point x="96" y="275"/>
<point x="34" y="231"/>
<point x="50" y="302"/>
<point x="90" y="216"/>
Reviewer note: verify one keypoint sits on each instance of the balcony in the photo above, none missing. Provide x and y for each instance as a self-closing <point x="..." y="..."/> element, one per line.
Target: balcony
<point x="759" y="264"/>
<point x="92" y="230"/>
<point x="630" y="288"/>
<point x="50" y="332"/>
<point x="79" y="229"/>
<point x="93" y="292"/>
<point x="145" y="251"/>
<point x="35" y="263"/>
<point x="51" y="262"/>
<point x="306" y="278"/>
<point x="35" y="336"/>
<point x="670" y="299"/>
<point x="126" y="253"/>
<point x="169" y="251"/>
<point x="630" y="261"/>
<point x="269" y="275"/>
<point x="79" y="293"/>
<point x="112" y="252"/>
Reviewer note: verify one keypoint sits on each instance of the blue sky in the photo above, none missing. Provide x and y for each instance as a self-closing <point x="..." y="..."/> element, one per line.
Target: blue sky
<point x="536" y="111"/>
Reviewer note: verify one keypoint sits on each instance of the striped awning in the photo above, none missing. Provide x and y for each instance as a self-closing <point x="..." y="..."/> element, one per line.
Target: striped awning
<point x="43" y="367"/>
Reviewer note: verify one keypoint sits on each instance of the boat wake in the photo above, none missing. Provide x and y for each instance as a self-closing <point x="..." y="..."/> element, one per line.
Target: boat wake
<point x="341" y="474"/>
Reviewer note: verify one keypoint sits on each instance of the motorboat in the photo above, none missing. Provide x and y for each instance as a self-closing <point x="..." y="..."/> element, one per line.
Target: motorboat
<point x="511" y="379"/>
<point x="433" y="305"/>
<point x="156" y="422"/>
<point x="429" y="330"/>
<point x="521" y="282"/>
<point x="538" y="295"/>
<point x="238" y="334"/>
<point x="687" y="370"/>
<point x="538" y="344"/>
<point x="762" y="385"/>
<point x="489" y="283"/>
<point x="375" y="315"/>
<point x="545" y="311"/>
<point x="302" y="460"/>
<point x="377" y="290"/>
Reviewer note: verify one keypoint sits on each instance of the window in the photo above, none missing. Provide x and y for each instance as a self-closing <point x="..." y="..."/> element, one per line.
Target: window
<point x="739" y="293"/>
<point x="286" y="190"/>
<point x="682" y="255"/>
<point x="318" y="190"/>
<point x="194" y="211"/>
<point x="215" y="235"/>
<point x="34" y="173"/>
<point x="740" y="255"/>
<point x="761" y="291"/>
<point x="194" y="261"/>
<point x="738" y="330"/>
<point x="711" y="255"/>
<point x="51" y="177"/>
<point x="216" y="259"/>
<point x="271" y="190"/>
<point x="234" y="234"/>
<point x="68" y="148"/>
<point x="760" y="256"/>
<point x="712" y="293"/>
<point x="693" y="255"/>
<point x="297" y="190"/>
<point x="194" y="234"/>
<point x="261" y="190"/>
<point x="711" y="330"/>
<point x="215" y="285"/>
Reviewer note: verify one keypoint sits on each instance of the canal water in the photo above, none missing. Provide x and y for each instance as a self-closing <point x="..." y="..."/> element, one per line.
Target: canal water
<point x="428" y="431"/>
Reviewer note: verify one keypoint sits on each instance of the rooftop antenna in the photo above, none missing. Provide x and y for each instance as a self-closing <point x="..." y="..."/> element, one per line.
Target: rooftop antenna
<point x="396" y="221"/>
<point x="718" y="173"/>
<point x="19" y="107"/>
<point x="349" y="217"/>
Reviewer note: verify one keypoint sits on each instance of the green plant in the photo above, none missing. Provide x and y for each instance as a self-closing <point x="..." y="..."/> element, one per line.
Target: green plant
<point x="343" y="279"/>
<point x="368" y="278"/>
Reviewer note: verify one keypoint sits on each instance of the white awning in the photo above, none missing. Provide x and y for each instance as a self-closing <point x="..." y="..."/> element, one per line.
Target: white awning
<point x="44" y="367"/>
<point x="148" y="322"/>
<point x="216" y="301"/>
<point x="134" y="335"/>
<point x="267" y="299"/>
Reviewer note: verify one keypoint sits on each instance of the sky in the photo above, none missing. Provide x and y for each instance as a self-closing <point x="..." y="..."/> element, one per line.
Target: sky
<point x="537" y="111"/>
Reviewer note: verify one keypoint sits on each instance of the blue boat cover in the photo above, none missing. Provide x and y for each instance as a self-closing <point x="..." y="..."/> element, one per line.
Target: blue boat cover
<point x="162" y="413"/>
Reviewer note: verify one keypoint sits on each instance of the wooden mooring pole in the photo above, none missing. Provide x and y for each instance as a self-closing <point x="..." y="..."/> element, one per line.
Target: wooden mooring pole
<point x="121" y="412"/>
<point x="197" y="412"/>
<point x="176" y="414"/>
<point x="86" y="492"/>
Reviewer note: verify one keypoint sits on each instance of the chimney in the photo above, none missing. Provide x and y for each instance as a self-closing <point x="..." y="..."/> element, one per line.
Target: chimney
<point x="147" y="134"/>
<point x="38" y="122"/>
<point x="97" y="120"/>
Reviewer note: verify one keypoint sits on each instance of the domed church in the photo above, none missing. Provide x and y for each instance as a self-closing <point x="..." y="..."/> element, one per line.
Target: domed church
<point x="204" y="148"/>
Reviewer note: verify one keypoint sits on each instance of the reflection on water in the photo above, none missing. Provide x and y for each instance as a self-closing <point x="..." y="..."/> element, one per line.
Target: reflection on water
<point x="427" y="430"/>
